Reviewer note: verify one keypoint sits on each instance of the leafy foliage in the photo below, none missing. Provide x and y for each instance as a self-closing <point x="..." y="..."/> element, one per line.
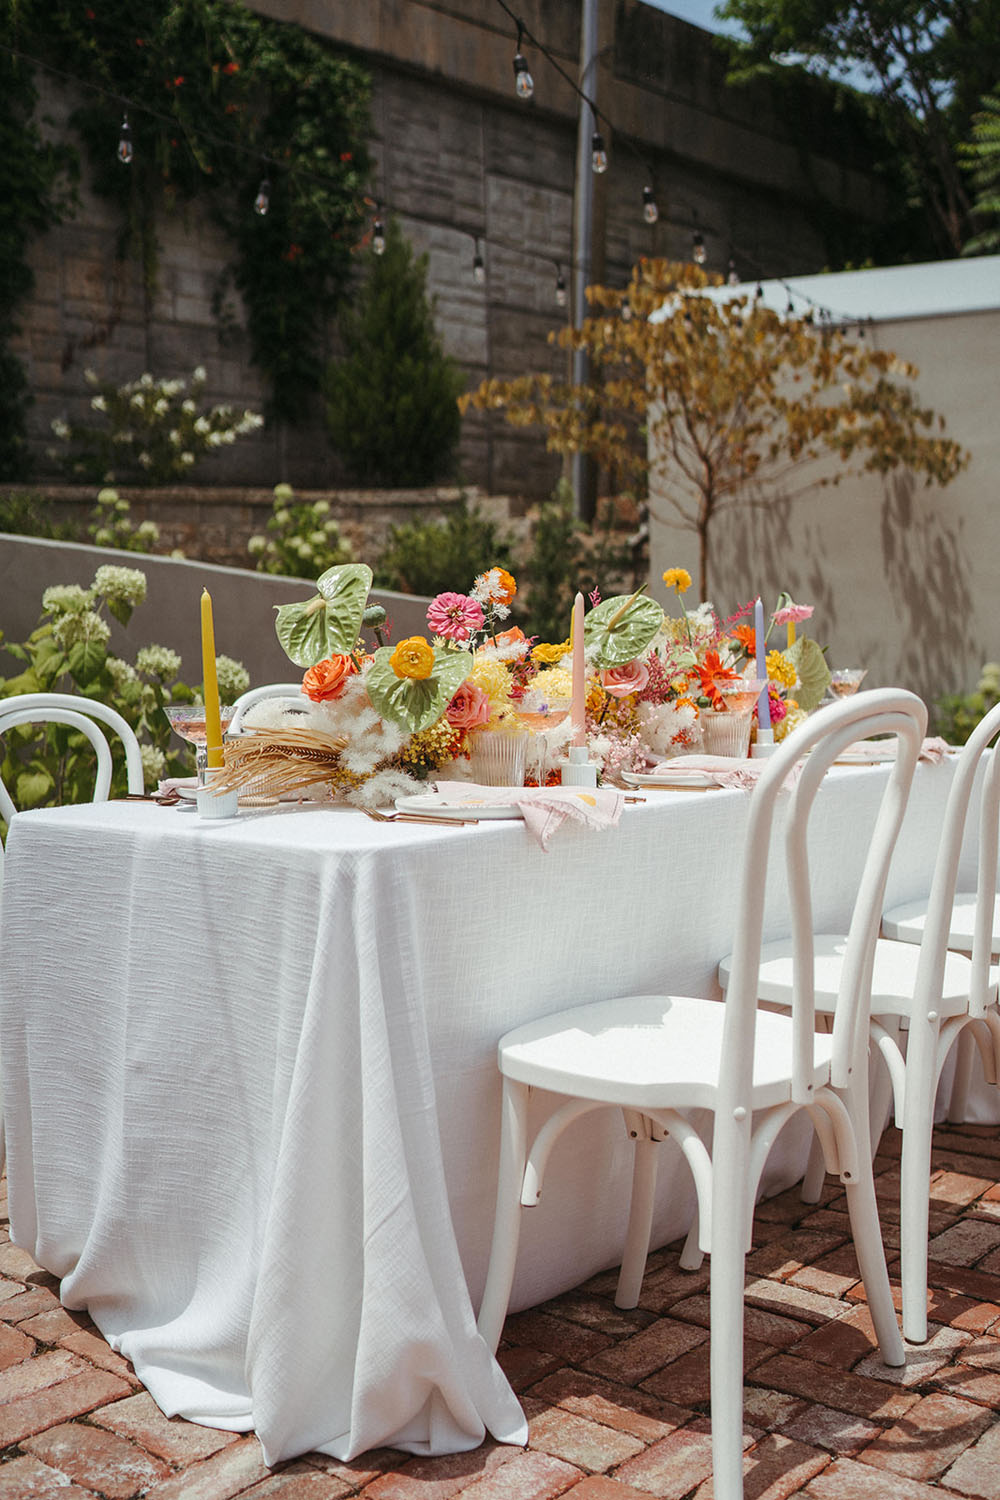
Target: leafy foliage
<point x="738" y="401"/>
<point x="956" y="715"/>
<point x="150" y="431"/>
<point x="981" y="155"/>
<point x="112" y="525"/>
<point x="302" y="537"/>
<point x="24" y="513"/>
<point x="30" y="172"/>
<point x="565" y="556"/>
<point x="68" y="653"/>
<point x="233" y="97"/>
<point x="426" y="557"/>
<point x="927" y="64"/>
<point x="392" y="408"/>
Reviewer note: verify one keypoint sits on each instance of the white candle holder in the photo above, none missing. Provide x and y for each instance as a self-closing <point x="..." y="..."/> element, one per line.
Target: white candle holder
<point x="213" y="804"/>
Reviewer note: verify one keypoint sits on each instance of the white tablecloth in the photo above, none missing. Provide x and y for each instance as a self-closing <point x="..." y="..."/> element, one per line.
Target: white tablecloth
<point x="251" y="1090"/>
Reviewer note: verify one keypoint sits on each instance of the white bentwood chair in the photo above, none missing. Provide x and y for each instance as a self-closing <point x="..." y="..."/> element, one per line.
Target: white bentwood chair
<point x="924" y="997"/>
<point x="291" y="690"/>
<point x="660" y="1058"/>
<point x="77" y="713"/>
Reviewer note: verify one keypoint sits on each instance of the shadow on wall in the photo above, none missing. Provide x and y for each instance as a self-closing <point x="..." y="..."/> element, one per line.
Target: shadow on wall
<point x="751" y="547"/>
<point x="927" y="587"/>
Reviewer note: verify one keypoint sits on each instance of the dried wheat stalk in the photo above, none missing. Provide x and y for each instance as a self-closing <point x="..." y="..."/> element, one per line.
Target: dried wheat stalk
<point x="280" y="760"/>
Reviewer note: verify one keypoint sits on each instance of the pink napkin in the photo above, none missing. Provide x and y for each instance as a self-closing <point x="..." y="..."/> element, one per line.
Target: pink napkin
<point x="544" y="808"/>
<point x="932" y="750"/>
<point x="725" y="770"/>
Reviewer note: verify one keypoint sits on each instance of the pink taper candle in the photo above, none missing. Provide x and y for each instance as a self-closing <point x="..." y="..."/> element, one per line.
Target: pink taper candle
<point x="578" y="707"/>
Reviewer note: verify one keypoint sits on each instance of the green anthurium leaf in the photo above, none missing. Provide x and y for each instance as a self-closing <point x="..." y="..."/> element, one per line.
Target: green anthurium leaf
<point x="301" y="629"/>
<point x="345" y="589"/>
<point x="329" y="623"/>
<point x="614" y="638"/>
<point x="813" y="672"/>
<point x="416" y="703"/>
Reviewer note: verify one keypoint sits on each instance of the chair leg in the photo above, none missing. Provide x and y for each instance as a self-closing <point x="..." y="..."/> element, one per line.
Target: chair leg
<point x="727" y="1257"/>
<point x="914" y="1200"/>
<point x="862" y="1208"/>
<point x="640" y="1220"/>
<point x="507" y="1222"/>
<point x="965" y="1058"/>
<point x="815" y="1174"/>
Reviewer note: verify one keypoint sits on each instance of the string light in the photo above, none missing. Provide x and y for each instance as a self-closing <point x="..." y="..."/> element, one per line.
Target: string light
<point x="598" y="153"/>
<point x="478" y="267"/>
<point x="524" y="84"/>
<point x="698" y="248"/>
<point x="561" y="296"/>
<point x="262" y="202"/>
<point x="125" y="142"/>
<point x="378" y="234"/>
<point x="734" y="276"/>
<point x="650" y="212"/>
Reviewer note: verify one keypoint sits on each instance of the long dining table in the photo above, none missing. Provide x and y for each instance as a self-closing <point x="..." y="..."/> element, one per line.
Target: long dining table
<point x="251" y="1093"/>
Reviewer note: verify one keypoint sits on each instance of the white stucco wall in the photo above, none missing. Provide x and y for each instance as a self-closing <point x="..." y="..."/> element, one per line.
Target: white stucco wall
<point x="904" y="577"/>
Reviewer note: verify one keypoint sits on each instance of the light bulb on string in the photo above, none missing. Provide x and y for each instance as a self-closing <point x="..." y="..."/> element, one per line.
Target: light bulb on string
<point x="125" y="142"/>
<point x="561" y="295"/>
<point x="734" y="276"/>
<point x="262" y="202"/>
<point x="698" y="248"/>
<point x="626" y="311"/>
<point x="598" y="153"/>
<point x="650" y="212"/>
<point x="524" y="84"/>
<point x="478" y="267"/>
<point x="378" y="237"/>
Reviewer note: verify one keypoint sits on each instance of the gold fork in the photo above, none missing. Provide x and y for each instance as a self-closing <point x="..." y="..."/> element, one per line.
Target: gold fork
<point x="400" y="817"/>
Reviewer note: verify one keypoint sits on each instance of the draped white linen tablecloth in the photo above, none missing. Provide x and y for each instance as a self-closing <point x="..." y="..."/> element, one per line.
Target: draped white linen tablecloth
<point x="251" y="1090"/>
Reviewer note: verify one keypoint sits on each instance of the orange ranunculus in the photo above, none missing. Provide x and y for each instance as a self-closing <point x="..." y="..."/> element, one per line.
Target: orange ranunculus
<point x="712" y="672"/>
<point x="328" y="678"/>
<point x="512" y="637"/>
<point x="501" y="587"/>
<point x="747" y="637"/>
<point x="413" y="658"/>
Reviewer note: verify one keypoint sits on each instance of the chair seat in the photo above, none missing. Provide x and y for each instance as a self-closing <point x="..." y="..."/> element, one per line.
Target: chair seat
<point x="650" y="1052"/>
<point x="893" y="978"/>
<point x="906" y="923"/>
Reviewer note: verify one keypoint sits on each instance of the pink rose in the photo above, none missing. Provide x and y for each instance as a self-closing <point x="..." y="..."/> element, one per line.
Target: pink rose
<point x="470" y="707"/>
<point x="630" y="678"/>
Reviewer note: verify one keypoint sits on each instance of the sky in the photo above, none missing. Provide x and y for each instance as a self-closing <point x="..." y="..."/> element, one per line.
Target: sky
<point x="697" y="11"/>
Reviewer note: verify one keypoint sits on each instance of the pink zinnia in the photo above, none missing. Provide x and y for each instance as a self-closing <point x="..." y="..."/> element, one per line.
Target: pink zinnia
<point x="454" y="616"/>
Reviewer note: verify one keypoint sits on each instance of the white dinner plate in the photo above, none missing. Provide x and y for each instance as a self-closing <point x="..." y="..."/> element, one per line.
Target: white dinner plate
<point x="872" y="754"/>
<point x="679" y="779"/>
<point x="431" y="805"/>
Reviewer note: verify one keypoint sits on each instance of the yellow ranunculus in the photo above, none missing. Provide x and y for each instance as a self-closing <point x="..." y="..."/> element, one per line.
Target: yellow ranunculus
<point x="413" y="657"/>
<point x="550" y="654"/>
<point x="780" y="670"/>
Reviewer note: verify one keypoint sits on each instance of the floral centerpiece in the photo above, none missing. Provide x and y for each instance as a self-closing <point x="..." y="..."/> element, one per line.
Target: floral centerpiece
<point x="380" y="721"/>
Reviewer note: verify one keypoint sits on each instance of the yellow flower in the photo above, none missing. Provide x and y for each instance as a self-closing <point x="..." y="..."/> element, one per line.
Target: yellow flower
<point x="413" y="657"/>
<point x="780" y="670"/>
<point x="550" y="654"/>
<point x="493" y="679"/>
<point x="554" y="682"/>
<point x="677" y="578"/>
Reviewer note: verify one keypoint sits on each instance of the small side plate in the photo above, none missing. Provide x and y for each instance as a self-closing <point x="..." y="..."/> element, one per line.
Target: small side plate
<point x="431" y="805"/>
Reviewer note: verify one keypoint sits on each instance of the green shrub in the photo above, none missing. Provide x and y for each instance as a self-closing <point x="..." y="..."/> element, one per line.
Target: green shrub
<point x="111" y="525"/>
<point x="392" y="400"/>
<point x="23" y="513"/>
<point x="68" y="653"/>
<point x="567" y="557"/>
<point x="955" y="716"/>
<point x="302" y="540"/>
<point x="427" y="557"/>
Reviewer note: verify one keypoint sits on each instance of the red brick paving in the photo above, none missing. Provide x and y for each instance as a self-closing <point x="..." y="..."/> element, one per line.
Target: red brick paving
<point x="616" y="1401"/>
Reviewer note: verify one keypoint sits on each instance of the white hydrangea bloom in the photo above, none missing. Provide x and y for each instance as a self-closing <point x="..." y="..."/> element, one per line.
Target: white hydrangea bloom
<point x="234" y="679"/>
<point x="154" y="764"/>
<point x="158" y="661"/>
<point x="69" y="629"/>
<point x="120" y="585"/>
<point x="120" y="672"/>
<point x="66" y="598"/>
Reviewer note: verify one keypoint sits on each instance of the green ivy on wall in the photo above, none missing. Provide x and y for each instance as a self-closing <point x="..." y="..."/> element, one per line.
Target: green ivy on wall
<point x="224" y="99"/>
<point x="31" y="171"/>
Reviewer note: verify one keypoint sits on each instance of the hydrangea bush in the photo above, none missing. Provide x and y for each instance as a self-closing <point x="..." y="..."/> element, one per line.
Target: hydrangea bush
<point x="302" y="538"/>
<point x="150" y="431"/>
<point x="68" y="652"/>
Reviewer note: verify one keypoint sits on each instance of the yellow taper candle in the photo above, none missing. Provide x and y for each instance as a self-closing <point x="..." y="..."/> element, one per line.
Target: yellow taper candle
<point x="791" y="632"/>
<point x="578" y="702"/>
<point x="213" y="718"/>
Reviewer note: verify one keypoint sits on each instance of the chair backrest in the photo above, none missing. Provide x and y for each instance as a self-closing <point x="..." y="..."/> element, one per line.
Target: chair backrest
<point x="803" y="760"/>
<point x="934" y="943"/>
<point x="247" y="700"/>
<point x="78" y="713"/>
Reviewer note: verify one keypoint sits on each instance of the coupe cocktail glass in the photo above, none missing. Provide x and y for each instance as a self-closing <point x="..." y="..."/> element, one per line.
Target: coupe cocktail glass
<point x="847" y="680"/>
<point x="188" y="721"/>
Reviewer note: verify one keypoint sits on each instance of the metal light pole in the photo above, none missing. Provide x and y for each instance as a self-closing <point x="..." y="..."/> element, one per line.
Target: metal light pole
<point x="583" y="229"/>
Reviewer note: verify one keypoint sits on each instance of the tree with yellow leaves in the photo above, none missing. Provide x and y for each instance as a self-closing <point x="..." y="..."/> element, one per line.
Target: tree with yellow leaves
<point x="726" y="401"/>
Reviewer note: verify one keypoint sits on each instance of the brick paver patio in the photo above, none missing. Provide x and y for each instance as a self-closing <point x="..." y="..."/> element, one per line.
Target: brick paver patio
<point x="617" y="1401"/>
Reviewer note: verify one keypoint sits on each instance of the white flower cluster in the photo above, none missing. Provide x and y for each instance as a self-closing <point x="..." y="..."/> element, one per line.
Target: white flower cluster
<point x="70" y="629"/>
<point x="120" y="585"/>
<point x="234" y="679"/>
<point x="66" y="598"/>
<point x="158" y="661"/>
